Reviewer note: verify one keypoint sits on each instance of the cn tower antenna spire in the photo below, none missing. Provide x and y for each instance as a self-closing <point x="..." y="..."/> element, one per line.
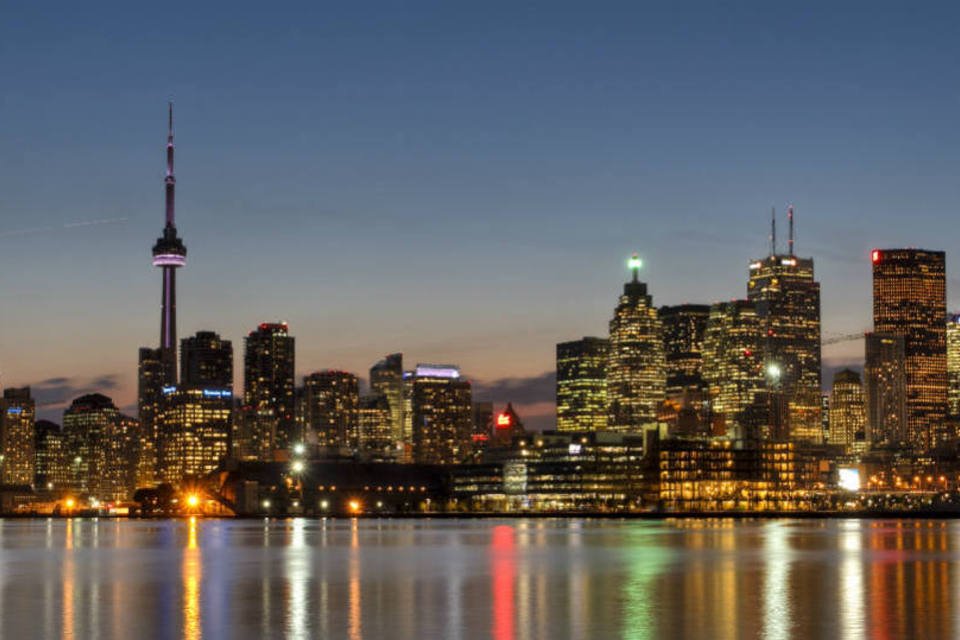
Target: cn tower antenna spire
<point x="790" y="220"/>
<point x="170" y="182"/>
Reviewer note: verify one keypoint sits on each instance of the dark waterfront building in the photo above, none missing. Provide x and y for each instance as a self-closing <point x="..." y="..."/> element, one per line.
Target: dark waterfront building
<point x="51" y="457"/>
<point x="18" y="412"/>
<point x="885" y="389"/>
<point x="910" y="300"/>
<point x="150" y="385"/>
<point x="195" y="428"/>
<point x="482" y="428"/>
<point x="206" y="360"/>
<point x="269" y="390"/>
<point x="787" y="299"/>
<point x="442" y="414"/>
<point x="582" y="384"/>
<point x="686" y="410"/>
<point x="386" y="377"/>
<point x="101" y="447"/>
<point x="331" y="403"/>
<point x="635" y="366"/>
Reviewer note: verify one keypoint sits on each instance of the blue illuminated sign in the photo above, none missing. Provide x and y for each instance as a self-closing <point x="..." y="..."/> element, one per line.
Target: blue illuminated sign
<point x="216" y="393"/>
<point x="14" y="411"/>
<point x="168" y="390"/>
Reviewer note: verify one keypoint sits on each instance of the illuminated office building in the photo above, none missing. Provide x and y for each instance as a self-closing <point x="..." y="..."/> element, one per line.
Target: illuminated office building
<point x="269" y="390"/>
<point x="787" y="298"/>
<point x="733" y="364"/>
<point x="635" y="366"/>
<point x="195" y="427"/>
<point x="51" y="457"/>
<point x="206" y="361"/>
<point x="441" y="406"/>
<point x="885" y="389"/>
<point x="19" y="412"/>
<point x="953" y="367"/>
<point x="582" y="384"/>
<point x="331" y="401"/>
<point x="848" y="417"/>
<point x="910" y="300"/>
<point x="386" y="377"/>
<point x="101" y="448"/>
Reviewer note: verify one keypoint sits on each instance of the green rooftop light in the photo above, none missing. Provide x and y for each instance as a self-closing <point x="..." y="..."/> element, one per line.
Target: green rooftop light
<point x="634" y="262"/>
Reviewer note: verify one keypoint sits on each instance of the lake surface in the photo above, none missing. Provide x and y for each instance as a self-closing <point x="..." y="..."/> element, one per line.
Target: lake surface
<point x="501" y="579"/>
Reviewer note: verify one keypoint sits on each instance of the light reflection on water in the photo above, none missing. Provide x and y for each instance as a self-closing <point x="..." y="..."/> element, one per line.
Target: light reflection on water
<point x="501" y="579"/>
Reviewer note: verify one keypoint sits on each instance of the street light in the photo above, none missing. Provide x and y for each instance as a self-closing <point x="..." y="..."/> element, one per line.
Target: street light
<point x="297" y="466"/>
<point x="299" y="449"/>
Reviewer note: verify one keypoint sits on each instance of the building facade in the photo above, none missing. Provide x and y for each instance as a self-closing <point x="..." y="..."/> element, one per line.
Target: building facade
<point x="101" y="447"/>
<point x="331" y="404"/>
<point x="386" y="378"/>
<point x="18" y="413"/>
<point x="582" y="384"/>
<point x="848" y="412"/>
<point x="910" y="300"/>
<point x="269" y="389"/>
<point x="885" y="389"/>
<point x="195" y="429"/>
<point x="206" y="361"/>
<point x="636" y="375"/>
<point x="442" y="414"/>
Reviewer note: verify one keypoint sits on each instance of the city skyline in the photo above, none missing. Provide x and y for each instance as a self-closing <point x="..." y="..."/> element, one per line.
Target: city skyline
<point x="539" y="232"/>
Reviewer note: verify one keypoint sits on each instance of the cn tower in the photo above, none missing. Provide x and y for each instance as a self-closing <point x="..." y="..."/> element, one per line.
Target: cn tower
<point x="169" y="253"/>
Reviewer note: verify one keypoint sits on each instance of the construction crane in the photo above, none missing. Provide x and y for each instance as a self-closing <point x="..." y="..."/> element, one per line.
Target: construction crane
<point x="845" y="337"/>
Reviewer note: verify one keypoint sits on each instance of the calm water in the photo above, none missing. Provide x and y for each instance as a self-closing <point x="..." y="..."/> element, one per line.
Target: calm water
<point x="479" y="579"/>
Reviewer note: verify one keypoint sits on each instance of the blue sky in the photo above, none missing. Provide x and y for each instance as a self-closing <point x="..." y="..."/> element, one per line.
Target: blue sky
<point x="459" y="182"/>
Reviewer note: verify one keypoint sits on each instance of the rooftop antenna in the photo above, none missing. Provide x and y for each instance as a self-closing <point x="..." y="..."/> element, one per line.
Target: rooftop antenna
<point x="773" y="231"/>
<point x="790" y="219"/>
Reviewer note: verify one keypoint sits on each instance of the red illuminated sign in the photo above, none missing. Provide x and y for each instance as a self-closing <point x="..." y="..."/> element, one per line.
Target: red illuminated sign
<point x="875" y="256"/>
<point x="504" y="421"/>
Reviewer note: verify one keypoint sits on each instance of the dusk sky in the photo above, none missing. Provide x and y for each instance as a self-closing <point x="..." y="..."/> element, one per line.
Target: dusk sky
<point x="462" y="183"/>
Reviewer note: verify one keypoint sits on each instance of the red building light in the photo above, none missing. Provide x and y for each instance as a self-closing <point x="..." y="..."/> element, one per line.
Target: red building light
<point x="875" y="256"/>
<point x="504" y="421"/>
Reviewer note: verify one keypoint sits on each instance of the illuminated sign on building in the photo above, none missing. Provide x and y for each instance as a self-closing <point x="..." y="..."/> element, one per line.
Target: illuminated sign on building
<point x="437" y="371"/>
<point x="504" y="421"/>
<point x="216" y="393"/>
<point x="849" y="479"/>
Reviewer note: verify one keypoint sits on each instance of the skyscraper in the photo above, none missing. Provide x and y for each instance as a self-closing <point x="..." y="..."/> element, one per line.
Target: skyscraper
<point x="101" y="448"/>
<point x="686" y="407"/>
<point x="635" y="367"/>
<point x="386" y="377"/>
<point x="331" y="408"/>
<point x="953" y="368"/>
<point x="269" y="387"/>
<point x="51" y="458"/>
<point x="848" y="418"/>
<point x="206" y="361"/>
<point x="733" y="364"/>
<point x="582" y="384"/>
<point x="19" y="412"/>
<point x="910" y="300"/>
<point x="788" y="304"/>
<point x="885" y="389"/>
<point x="150" y="384"/>
<point x="195" y="426"/>
<point x="375" y="426"/>
<point x="442" y="414"/>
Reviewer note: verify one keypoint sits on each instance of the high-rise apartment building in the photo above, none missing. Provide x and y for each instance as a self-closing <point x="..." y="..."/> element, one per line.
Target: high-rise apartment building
<point x="441" y="414"/>
<point x="269" y="388"/>
<point x="151" y="380"/>
<point x="375" y="426"/>
<point x="19" y="413"/>
<point x="386" y="378"/>
<point x="848" y="416"/>
<point x="910" y="300"/>
<point x="885" y="389"/>
<point x="733" y="365"/>
<point x="787" y="298"/>
<point x="101" y="448"/>
<point x="582" y="384"/>
<point x="331" y="403"/>
<point x="195" y="428"/>
<point x="636" y="375"/>
<point x="206" y="361"/>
